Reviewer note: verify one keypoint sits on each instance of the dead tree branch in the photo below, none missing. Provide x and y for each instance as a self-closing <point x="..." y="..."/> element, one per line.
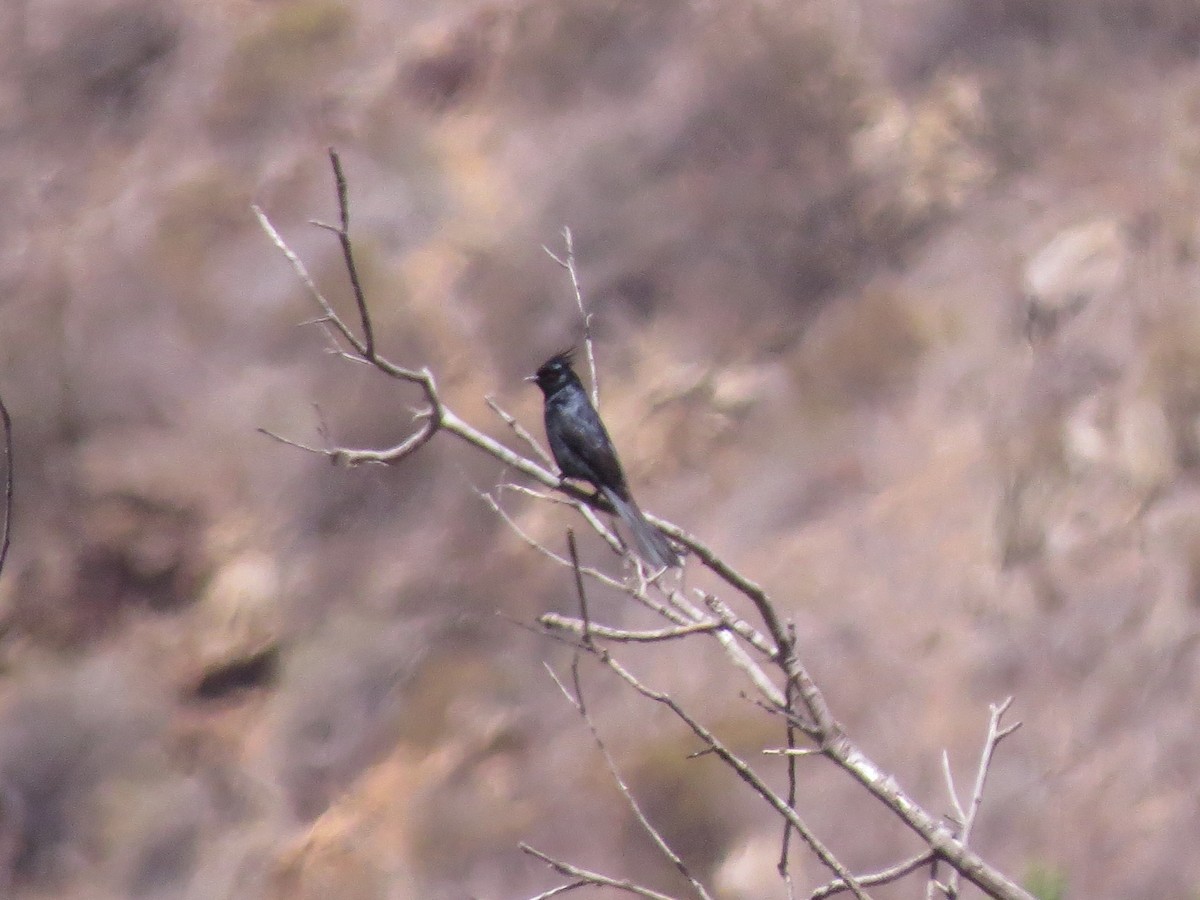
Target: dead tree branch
<point x="765" y="651"/>
<point x="587" y="878"/>
<point x="576" y="700"/>
<point x="343" y="233"/>
<point x="884" y="876"/>
<point x="965" y="818"/>
<point x="742" y="769"/>
<point x="562" y="889"/>
<point x="621" y="636"/>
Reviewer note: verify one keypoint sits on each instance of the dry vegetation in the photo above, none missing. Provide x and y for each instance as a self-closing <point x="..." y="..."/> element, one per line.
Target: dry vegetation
<point x="895" y="307"/>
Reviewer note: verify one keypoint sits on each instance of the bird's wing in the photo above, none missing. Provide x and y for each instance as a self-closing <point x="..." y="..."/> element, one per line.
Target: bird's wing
<point x="585" y="436"/>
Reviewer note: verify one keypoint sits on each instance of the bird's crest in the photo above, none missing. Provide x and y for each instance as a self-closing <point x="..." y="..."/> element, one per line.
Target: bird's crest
<point x="563" y="357"/>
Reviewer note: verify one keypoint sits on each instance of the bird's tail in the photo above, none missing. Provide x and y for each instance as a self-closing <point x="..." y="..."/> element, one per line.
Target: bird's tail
<point x="652" y="544"/>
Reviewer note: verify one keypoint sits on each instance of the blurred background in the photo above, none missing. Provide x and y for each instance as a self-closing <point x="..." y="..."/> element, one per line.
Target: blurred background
<point x="895" y="307"/>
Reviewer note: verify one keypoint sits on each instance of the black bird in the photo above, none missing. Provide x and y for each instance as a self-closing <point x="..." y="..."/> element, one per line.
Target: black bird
<point x="583" y="449"/>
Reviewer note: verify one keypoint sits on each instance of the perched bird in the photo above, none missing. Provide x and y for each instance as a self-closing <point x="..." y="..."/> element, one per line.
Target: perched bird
<point x="583" y="449"/>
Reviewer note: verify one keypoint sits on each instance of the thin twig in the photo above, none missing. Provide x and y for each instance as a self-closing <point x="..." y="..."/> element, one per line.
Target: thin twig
<point x="534" y="493"/>
<point x="301" y="271"/>
<point x="568" y="263"/>
<point x="609" y="535"/>
<point x="581" y="502"/>
<point x="291" y="443"/>
<point x="785" y="842"/>
<point x="884" y="876"/>
<point x="577" y="700"/>
<point x="739" y="626"/>
<point x="561" y="889"/>
<point x="932" y="831"/>
<point x="520" y="431"/>
<point x="602" y="578"/>
<point x="580" y="592"/>
<point x="960" y="814"/>
<point x="621" y="636"/>
<point x="537" y="545"/>
<point x="434" y="418"/>
<point x="740" y="659"/>
<point x="9" y="480"/>
<point x="795" y="752"/>
<point x="343" y="234"/>
<point x="527" y="538"/>
<point x="995" y="735"/>
<point x="743" y="771"/>
<point x="594" y="878"/>
<point x="796" y="720"/>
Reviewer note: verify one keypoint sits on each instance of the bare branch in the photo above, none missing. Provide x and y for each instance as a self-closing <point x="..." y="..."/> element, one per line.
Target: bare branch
<point x="608" y="534"/>
<point x="533" y="542"/>
<point x="640" y="595"/>
<point x="786" y="841"/>
<point x="568" y="263"/>
<point x="618" y="635"/>
<point x="739" y="626"/>
<point x="796" y="721"/>
<point x="593" y="878"/>
<point x="301" y="271"/>
<point x="796" y="752"/>
<point x="960" y="814"/>
<point x="8" y="484"/>
<point x="933" y="832"/>
<point x="520" y="431"/>
<point x="743" y="771"/>
<point x="434" y="417"/>
<point x="561" y="889"/>
<point x="684" y="615"/>
<point x="739" y="582"/>
<point x="583" y="604"/>
<point x="581" y="707"/>
<point x="343" y="233"/>
<point x="996" y="733"/>
<point x="289" y="442"/>
<point x="884" y="876"/>
<point x="571" y="498"/>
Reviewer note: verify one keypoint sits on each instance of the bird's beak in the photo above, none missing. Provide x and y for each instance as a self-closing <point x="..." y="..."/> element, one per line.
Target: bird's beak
<point x="529" y="378"/>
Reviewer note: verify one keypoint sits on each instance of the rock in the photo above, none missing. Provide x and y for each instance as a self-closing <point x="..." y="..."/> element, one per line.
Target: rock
<point x="236" y="628"/>
<point x="1078" y="264"/>
<point x="749" y="869"/>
